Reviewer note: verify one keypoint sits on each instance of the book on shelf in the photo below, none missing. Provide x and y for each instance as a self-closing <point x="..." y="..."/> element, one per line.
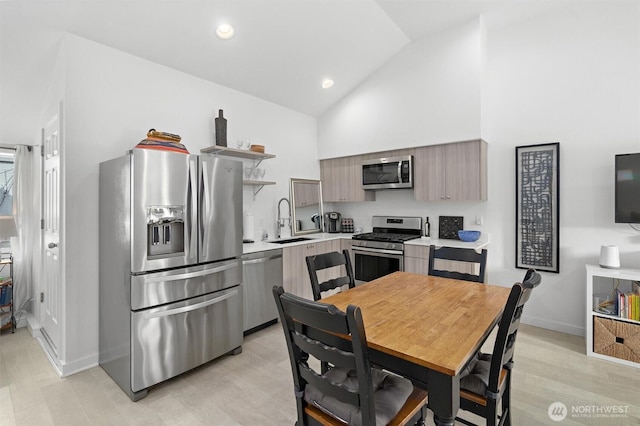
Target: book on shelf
<point x="5" y="295"/>
<point x="627" y="305"/>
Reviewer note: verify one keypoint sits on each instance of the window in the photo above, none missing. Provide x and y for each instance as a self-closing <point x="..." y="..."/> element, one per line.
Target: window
<point x="6" y="182"/>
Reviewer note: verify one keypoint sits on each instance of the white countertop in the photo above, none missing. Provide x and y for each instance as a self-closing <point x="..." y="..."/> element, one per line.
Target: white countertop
<point x="266" y="245"/>
<point x="423" y="241"/>
<point x="426" y="241"/>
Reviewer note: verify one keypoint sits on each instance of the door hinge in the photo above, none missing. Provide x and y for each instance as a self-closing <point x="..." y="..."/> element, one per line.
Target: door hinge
<point x="41" y="150"/>
<point x="41" y="223"/>
<point x="42" y="297"/>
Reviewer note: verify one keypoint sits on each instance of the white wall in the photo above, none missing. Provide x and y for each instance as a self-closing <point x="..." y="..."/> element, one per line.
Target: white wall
<point x="111" y="100"/>
<point x="571" y="76"/>
<point x="428" y="93"/>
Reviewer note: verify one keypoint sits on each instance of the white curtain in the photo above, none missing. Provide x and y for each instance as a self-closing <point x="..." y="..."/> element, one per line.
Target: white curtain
<point x="26" y="217"/>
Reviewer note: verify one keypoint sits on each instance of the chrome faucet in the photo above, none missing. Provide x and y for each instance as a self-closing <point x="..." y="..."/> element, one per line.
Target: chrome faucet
<point x="281" y="221"/>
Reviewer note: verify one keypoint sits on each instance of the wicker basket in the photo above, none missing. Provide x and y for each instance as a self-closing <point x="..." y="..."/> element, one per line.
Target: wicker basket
<point x="619" y="339"/>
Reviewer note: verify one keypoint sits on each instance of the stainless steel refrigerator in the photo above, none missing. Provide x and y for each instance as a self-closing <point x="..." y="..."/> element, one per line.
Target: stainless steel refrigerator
<point x="170" y="265"/>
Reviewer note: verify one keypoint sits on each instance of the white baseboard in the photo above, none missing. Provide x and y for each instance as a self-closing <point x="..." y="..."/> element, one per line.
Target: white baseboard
<point x="79" y="365"/>
<point x="553" y="325"/>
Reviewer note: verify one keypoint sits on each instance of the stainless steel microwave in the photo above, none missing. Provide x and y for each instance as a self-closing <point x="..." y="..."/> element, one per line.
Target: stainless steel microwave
<point x="388" y="173"/>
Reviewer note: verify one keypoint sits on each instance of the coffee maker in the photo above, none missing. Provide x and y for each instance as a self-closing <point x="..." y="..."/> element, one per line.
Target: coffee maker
<point x="332" y="222"/>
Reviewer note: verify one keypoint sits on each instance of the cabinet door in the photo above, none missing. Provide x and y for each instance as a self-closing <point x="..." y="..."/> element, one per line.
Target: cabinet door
<point x="334" y="173"/>
<point x="295" y="278"/>
<point x="466" y="174"/>
<point x="429" y="173"/>
<point x="295" y="274"/>
<point x="455" y="171"/>
<point x="346" y="245"/>
<point x="416" y="259"/>
<point x="341" y="180"/>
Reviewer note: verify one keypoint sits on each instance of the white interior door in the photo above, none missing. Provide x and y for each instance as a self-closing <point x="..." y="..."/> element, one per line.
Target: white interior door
<point x="51" y="298"/>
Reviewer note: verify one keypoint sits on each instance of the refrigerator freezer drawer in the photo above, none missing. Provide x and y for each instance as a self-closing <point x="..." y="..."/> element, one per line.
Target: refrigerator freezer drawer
<point x="159" y="288"/>
<point x="172" y="339"/>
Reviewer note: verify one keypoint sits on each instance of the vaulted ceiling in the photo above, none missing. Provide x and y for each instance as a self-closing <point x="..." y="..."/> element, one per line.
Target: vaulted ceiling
<point x="281" y="51"/>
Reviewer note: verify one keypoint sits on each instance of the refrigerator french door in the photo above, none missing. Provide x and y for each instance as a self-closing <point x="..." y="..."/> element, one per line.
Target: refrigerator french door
<point x="170" y="267"/>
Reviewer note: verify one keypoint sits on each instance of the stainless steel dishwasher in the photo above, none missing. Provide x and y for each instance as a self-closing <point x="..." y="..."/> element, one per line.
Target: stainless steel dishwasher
<point x="261" y="271"/>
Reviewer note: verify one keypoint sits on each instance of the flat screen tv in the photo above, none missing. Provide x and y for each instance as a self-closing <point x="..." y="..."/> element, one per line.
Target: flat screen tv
<point x="627" y="188"/>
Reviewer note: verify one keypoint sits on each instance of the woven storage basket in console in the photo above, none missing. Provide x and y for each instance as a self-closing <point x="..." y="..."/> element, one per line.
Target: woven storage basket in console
<point x="619" y="339"/>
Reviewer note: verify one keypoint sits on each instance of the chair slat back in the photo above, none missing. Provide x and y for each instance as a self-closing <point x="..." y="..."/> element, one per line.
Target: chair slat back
<point x="459" y="255"/>
<point x="309" y="326"/>
<point x="323" y="261"/>
<point x="508" y="328"/>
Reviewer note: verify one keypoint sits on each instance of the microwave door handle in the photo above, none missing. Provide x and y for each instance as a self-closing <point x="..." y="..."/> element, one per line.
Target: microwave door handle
<point x="399" y="172"/>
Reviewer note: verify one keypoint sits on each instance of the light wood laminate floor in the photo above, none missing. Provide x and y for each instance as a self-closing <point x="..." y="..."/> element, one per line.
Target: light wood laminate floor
<point x="255" y="387"/>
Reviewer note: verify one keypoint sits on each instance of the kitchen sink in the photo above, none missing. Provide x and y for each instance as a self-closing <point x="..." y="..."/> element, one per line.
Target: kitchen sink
<point x="291" y="240"/>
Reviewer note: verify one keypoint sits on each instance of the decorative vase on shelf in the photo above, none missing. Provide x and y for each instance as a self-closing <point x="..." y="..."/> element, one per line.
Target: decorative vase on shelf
<point x="221" y="129"/>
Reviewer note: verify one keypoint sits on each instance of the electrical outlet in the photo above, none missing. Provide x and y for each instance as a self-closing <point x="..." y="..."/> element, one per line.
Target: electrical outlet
<point x="479" y="220"/>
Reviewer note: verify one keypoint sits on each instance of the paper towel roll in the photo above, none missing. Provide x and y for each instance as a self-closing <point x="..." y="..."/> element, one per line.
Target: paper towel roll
<point x="247" y="227"/>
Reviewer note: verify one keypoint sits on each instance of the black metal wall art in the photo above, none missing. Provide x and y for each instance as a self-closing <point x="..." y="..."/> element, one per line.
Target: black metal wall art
<point x="449" y="226"/>
<point x="537" y="207"/>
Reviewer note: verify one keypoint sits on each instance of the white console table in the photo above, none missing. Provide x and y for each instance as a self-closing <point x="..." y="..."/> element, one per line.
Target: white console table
<point x="616" y="339"/>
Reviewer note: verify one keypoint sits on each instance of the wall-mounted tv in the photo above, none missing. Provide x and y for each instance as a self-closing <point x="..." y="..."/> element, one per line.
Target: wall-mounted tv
<point x="627" y="188"/>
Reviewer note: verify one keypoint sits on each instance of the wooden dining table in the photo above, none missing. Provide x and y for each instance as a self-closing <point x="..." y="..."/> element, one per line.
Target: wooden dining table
<point x="426" y="328"/>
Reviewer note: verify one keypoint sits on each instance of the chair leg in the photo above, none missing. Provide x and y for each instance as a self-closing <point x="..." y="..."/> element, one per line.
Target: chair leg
<point x="492" y="413"/>
<point x="423" y="417"/>
<point x="506" y="408"/>
<point x="506" y="402"/>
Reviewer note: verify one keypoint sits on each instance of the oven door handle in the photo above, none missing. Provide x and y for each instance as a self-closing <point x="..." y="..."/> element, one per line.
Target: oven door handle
<point x="372" y="250"/>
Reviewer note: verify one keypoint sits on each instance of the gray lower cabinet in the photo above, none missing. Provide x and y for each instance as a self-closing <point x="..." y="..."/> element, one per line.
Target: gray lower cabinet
<point x="295" y="276"/>
<point x="261" y="271"/>
<point x="416" y="259"/>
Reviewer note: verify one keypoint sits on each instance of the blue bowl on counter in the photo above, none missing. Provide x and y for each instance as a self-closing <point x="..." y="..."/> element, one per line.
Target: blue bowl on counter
<point x="468" y="236"/>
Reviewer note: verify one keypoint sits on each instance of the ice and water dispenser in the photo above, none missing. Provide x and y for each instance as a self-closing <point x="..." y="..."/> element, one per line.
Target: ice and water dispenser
<point x="165" y="230"/>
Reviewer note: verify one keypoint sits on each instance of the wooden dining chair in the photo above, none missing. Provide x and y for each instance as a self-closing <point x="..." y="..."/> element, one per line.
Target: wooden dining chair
<point x="486" y="380"/>
<point x="351" y="392"/>
<point x="456" y="254"/>
<point x="323" y="261"/>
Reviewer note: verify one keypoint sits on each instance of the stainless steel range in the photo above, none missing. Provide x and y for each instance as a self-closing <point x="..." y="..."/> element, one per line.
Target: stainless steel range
<point x="381" y="252"/>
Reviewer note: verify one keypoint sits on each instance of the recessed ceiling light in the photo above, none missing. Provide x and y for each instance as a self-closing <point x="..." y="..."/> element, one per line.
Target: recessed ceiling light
<point x="327" y="83"/>
<point x="225" y="31"/>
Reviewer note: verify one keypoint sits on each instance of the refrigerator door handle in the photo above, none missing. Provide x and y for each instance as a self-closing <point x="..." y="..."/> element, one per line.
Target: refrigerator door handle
<point x="205" y="202"/>
<point x="192" y="214"/>
<point x="190" y="307"/>
<point x="188" y="275"/>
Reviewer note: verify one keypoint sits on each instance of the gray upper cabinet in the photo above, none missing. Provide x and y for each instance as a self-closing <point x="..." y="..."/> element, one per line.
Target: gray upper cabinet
<point x="454" y="171"/>
<point x="341" y="180"/>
